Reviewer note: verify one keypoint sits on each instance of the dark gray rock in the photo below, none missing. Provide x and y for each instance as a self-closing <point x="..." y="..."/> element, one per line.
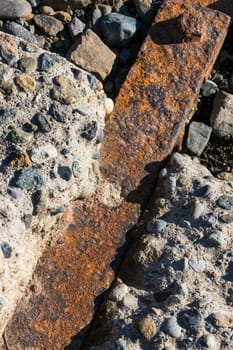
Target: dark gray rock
<point x="198" y="137"/>
<point x="19" y="31"/>
<point x="29" y="179"/>
<point x="6" y="250"/>
<point x="118" y="30"/>
<point x="43" y="125"/>
<point x="12" y="9"/>
<point x="58" y="112"/>
<point x="156" y="226"/>
<point x="89" y="131"/>
<point x="6" y="115"/>
<point x="65" y="172"/>
<point x="47" y="61"/>
<point x="35" y="3"/>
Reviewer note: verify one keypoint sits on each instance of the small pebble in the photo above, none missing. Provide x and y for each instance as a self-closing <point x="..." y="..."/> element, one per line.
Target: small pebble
<point x="29" y="179"/>
<point x="225" y="202"/>
<point x="172" y="327"/>
<point x="156" y="225"/>
<point x="65" y="172"/>
<point x="217" y="238"/>
<point x="6" y="250"/>
<point x="130" y="302"/>
<point x="118" y="293"/>
<point x="47" y="61"/>
<point x="209" y="88"/>
<point x="109" y="105"/>
<point x="210" y="342"/>
<point x="147" y="328"/>
<point x="197" y="210"/>
<point x="197" y="265"/>
<point x="193" y="317"/>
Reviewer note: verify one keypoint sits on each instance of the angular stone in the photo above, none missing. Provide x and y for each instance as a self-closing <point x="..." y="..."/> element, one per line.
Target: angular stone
<point x="66" y="92"/>
<point x="91" y="54"/>
<point x="118" y="30"/>
<point x="27" y="64"/>
<point x="221" y="118"/>
<point x="18" y="135"/>
<point x="198" y="137"/>
<point x="8" y="49"/>
<point x="12" y="9"/>
<point x="49" y="25"/>
<point x="26" y="82"/>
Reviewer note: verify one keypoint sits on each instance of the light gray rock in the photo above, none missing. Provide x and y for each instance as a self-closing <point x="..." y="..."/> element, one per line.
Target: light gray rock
<point x="76" y="27"/>
<point x="172" y="328"/>
<point x="118" y="293"/>
<point x="12" y="9"/>
<point x="90" y="53"/>
<point x="197" y="265"/>
<point x="198" y="137"/>
<point x="221" y="118"/>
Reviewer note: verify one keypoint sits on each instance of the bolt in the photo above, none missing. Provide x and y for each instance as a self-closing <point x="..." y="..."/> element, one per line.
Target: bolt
<point x="192" y="27"/>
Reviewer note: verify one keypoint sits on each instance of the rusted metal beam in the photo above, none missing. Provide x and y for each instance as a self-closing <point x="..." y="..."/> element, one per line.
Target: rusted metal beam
<point x="152" y="108"/>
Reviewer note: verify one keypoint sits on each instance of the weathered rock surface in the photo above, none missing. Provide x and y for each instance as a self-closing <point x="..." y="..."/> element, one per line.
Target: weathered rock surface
<point x="91" y="54"/>
<point x="49" y="25"/>
<point x="18" y="30"/>
<point x="182" y="281"/>
<point x="198" y="137"/>
<point x="118" y="30"/>
<point x="49" y="127"/>
<point x="221" y="118"/>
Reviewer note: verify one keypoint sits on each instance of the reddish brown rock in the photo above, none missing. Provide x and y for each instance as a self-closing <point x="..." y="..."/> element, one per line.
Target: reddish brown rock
<point x="150" y="112"/>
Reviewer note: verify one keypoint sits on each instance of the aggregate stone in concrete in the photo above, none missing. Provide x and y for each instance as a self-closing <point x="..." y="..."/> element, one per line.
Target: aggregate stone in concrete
<point x="38" y="153"/>
<point x="181" y="280"/>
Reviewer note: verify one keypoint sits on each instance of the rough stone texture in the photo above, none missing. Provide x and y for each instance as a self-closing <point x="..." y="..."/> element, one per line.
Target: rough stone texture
<point x="38" y="153"/>
<point x="221" y="118"/>
<point x="198" y="137"/>
<point x="11" y="9"/>
<point x="149" y="114"/>
<point x="18" y="30"/>
<point x="118" y="30"/>
<point x="49" y="25"/>
<point x="91" y="54"/>
<point x="176" y="303"/>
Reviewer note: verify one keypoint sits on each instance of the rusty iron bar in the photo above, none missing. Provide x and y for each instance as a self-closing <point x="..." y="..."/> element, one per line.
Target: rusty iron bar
<point x="151" y="110"/>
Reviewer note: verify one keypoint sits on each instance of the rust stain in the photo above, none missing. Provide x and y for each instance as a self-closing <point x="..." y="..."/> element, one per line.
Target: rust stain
<point x="150" y="112"/>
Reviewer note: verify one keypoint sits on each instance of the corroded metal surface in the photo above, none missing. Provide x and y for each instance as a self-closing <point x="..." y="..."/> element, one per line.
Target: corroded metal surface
<point x="153" y="105"/>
